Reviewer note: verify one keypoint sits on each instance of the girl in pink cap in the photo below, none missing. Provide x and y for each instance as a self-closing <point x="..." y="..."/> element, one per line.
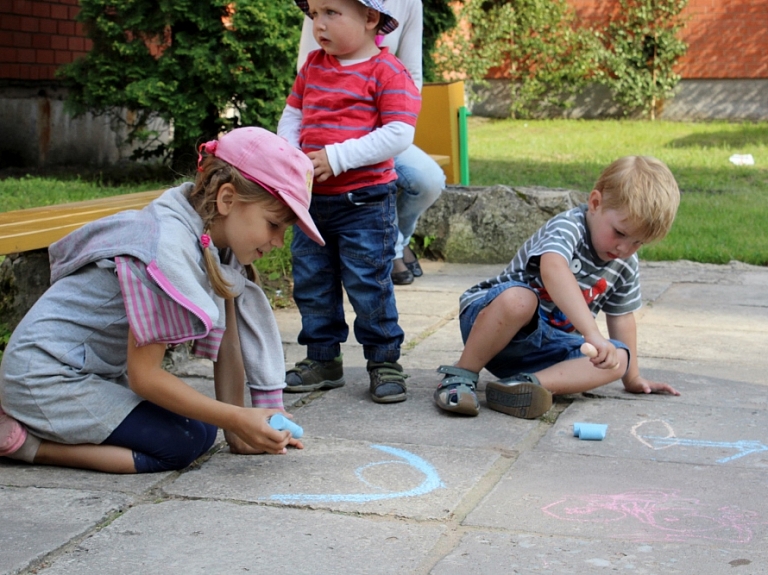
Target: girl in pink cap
<point x="82" y="382"/>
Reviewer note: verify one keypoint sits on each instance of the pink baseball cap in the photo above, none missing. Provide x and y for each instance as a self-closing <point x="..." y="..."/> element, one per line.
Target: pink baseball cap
<point x="270" y="161"/>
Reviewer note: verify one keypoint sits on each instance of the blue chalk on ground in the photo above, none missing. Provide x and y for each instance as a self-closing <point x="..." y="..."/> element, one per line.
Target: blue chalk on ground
<point x="590" y="431"/>
<point x="281" y="423"/>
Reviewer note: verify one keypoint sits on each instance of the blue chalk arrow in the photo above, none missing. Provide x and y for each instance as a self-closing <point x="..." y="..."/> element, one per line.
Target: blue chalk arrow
<point x="743" y="447"/>
<point x="431" y="482"/>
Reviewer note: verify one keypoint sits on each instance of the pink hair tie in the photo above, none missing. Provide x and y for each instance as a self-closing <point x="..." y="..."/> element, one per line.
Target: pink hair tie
<point x="209" y="147"/>
<point x="205" y="241"/>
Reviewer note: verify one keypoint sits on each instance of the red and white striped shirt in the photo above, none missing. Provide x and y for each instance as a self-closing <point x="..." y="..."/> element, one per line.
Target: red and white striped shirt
<point x="339" y="103"/>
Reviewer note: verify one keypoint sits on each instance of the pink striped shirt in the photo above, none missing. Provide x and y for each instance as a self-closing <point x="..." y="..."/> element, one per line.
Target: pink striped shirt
<point x="156" y="318"/>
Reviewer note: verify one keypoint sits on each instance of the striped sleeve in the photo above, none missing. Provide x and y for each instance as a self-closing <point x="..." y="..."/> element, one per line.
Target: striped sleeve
<point x="156" y="318"/>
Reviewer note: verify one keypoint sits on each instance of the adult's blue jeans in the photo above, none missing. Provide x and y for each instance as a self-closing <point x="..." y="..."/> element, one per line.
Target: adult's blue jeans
<point x="359" y="231"/>
<point x="420" y="181"/>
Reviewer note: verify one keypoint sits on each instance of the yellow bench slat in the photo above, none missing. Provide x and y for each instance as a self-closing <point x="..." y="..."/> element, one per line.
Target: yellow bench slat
<point x="37" y="228"/>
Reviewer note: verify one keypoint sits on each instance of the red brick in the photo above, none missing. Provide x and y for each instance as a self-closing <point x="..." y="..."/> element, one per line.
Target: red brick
<point x="42" y="41"/>
<point x="63" y="57"/>
<point x="6" y="38"/>
<point x="45" y="56"/>
<point x="66" y="28"/>
<point x="10" y="55"/>
<point x="10" y="22"/>
<point x="22" y="39"/>
<point x="75" y="43"/>
<point x="25" y="55"/>
<point x="9" y="71"/>
<point x="73" y="11"/>
<point x="59" y="12"/>
<point x="48" y="26"/>
<point x="23" y="7"/>
<point x="59" y="42"/>
<point x="29" y="24"/>
<point x="41" y="9"/>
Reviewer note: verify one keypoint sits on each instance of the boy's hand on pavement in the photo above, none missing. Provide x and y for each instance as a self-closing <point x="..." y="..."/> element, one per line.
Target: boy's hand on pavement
<point x="642" y="385"/>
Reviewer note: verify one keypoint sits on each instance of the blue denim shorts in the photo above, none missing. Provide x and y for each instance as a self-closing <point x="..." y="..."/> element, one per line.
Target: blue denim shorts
<point x="535" y="347"/>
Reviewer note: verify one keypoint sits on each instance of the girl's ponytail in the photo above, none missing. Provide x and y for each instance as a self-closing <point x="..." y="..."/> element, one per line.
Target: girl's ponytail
<point x="213" y="173"/>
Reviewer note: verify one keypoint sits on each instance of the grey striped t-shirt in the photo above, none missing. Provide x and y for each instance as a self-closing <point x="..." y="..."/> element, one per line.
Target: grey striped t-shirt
<point x="613" y="287"/>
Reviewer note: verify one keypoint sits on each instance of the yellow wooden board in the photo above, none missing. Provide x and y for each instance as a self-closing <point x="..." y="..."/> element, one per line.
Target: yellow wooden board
<point x="36" y="228"/>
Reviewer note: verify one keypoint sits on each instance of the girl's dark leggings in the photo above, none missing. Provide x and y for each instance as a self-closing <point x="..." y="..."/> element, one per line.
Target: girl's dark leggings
<point x="160" y="439"/>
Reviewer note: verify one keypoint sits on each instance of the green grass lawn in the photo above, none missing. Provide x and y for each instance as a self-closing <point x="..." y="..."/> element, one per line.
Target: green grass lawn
<point x="724" y="208"/>
<point x="723" y="215"/>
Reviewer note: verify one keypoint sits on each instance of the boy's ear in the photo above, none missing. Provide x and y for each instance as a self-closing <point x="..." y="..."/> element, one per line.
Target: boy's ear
<point x="225" y="199"/>
<point x="372" y="19"/>
<point x="595" y="200"/>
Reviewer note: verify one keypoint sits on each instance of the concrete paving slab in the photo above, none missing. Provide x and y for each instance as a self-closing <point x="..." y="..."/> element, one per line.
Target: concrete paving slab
<point x="213" y="537"/>
<point x="418" y="482"/>
<point x="349" y="413"/>
<point x="606" y="498"/>
<point x="493" y="553"/>
<point x="666" y="431"/>
<point x="15" y="474"/>
<point x="38" y="521"/>
<point x="694" y="390"/>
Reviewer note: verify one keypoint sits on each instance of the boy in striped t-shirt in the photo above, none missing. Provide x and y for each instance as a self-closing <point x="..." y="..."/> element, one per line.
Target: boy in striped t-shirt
<point x="352" y="109"/>
<point x="527" y="325"/>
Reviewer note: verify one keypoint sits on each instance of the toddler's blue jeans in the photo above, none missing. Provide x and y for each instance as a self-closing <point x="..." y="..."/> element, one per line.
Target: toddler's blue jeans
<point x="359" y="231"/>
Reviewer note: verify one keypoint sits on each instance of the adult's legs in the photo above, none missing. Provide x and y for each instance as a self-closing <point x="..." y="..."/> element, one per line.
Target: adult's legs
<point x="420" y="182"/>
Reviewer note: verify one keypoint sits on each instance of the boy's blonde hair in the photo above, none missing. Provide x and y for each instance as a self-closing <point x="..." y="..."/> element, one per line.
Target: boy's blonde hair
<point x="644" y="189"/>
<point x="213" y="173"/>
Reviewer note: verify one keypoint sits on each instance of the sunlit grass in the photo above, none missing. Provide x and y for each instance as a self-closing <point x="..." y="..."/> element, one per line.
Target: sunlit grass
<point x="724" y="208"/>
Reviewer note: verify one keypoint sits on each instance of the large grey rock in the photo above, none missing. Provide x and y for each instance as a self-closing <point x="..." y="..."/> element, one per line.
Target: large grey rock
<point x="487" y="225"/>
<point x="23" y="279"/>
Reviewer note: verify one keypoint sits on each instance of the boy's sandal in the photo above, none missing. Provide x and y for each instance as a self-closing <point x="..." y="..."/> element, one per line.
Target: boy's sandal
<point x="520" y="396"/>
<point x="387" y="381"/>
<point x="456" y="393"/>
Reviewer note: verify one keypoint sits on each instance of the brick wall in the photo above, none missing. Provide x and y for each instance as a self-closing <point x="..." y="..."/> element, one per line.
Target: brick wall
<point x="727" y="39"/>
<point x="38" y="36"/>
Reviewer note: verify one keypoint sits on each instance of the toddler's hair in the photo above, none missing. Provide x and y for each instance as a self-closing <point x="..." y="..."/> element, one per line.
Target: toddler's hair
<point x="645" y="190"/>
<point x="214" y="173"/>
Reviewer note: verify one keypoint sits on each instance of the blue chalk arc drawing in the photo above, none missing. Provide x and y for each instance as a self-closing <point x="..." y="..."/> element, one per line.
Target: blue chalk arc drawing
<point x="431" y="482"/>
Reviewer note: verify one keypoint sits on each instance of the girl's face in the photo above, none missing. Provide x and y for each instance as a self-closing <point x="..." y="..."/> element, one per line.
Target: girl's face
<point x="249" y="229"/>
<point x="613" y="236"/>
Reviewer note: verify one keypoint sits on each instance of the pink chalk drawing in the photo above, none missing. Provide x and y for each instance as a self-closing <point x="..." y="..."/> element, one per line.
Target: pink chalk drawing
<point x="670" y="517"/>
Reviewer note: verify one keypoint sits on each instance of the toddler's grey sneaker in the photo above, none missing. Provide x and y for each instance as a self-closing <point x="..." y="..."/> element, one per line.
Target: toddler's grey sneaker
<point x="520" y="396"/>
<point x="387" y="381"/>
<point x="311" y="375"/>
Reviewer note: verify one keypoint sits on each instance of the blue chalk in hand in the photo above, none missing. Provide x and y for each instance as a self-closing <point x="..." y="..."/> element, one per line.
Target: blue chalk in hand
<point x="590" y="431"/>
<point x="281" y="423"/>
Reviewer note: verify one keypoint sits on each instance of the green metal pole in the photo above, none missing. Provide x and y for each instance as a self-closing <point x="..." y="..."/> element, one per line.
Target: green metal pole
<point x="463" y="146"/>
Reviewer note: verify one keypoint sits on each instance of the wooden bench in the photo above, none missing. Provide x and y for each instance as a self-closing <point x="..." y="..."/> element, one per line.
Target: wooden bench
<point x="441" y="129"/>
<point x="37" y="228"/>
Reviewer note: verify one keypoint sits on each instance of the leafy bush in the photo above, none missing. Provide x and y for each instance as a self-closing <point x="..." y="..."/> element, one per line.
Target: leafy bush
<point x="535" y="43"/>
<point x="202" y="66"/>
<point x="641" y="50"/>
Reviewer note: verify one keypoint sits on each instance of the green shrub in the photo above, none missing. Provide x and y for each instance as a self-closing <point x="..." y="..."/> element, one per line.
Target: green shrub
<point x="195" y="64"/>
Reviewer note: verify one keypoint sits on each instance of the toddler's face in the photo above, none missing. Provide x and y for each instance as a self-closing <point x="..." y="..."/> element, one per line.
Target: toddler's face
<point x="342" y="28"/>
<point x="613" y="235"/>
